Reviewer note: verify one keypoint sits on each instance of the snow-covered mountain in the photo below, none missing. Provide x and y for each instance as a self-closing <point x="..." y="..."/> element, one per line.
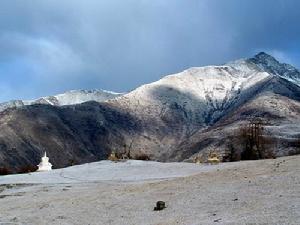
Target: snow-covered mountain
<point x="170" y="120"/>
<point x="178" y="106"/>
<point x="269" y="64"/>
<point x="68" y="98"/>
<point x="205" y="94"/>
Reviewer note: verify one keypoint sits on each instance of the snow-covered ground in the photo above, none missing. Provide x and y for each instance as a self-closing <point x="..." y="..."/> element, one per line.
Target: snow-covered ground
<point x="251" y="192"/>
<point x="126" y="171"/>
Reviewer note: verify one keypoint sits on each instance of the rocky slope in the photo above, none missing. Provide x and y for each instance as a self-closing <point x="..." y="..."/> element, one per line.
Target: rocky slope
<point x="68" y="98"/>
<point x="169" y="120"/>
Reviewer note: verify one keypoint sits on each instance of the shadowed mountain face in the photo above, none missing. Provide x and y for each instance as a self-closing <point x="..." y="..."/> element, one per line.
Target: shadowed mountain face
<point x="169" y="120"/>
<point x="277" y="102"/>
<point x="74" y="134"/>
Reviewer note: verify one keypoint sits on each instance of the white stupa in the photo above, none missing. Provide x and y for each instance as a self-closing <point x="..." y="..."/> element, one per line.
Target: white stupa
<point x="45" y="165"/>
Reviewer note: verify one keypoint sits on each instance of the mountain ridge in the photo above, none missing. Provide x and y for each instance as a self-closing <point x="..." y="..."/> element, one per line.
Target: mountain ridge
<point x="173" y="119"/>
<point x="67" y="98"/>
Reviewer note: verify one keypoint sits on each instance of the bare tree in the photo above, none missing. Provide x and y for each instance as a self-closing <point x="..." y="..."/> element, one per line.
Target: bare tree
<point x="296" y="147"/>
<point x="232" y="153"/>
<point x="256" y="144"/>
<point x="249" y="142"/>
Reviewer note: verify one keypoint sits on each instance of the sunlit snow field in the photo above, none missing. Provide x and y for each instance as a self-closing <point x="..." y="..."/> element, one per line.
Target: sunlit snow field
<point x="126" y="171"/>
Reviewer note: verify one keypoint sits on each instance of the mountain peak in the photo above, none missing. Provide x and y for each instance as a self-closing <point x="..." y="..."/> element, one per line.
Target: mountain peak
<point x="268" y="63"/>
<point x="263" y="58"/>
<point x="263" y="62"/>
<point x="263" y="55"/>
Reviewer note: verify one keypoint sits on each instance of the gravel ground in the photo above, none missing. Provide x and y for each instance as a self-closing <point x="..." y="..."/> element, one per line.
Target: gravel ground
<point x="252" y="192"/>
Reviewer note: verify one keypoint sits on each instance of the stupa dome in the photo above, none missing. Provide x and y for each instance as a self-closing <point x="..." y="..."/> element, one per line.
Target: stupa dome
<point x="45" y="165"/>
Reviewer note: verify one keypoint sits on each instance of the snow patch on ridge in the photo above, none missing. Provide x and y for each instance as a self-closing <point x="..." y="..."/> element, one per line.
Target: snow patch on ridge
<point x="68" y="98"/>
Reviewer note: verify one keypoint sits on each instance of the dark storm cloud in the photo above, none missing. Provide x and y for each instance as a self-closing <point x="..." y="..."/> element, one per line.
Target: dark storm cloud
<point x="47" y="47"/>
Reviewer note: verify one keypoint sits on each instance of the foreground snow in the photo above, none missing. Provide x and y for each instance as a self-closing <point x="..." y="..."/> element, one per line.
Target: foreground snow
<point x="253" y="192"/>
<point x="127" y="171"/>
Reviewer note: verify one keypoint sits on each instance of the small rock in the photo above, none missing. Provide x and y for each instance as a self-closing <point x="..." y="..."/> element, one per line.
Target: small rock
<point x="235" y="199"/>
<point x="14" y="219"/>
<point x="160" y="205"/>
<point x="61" y="217"/>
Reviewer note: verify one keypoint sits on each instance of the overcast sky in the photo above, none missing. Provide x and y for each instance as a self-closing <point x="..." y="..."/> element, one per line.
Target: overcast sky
<point x="50" y="46"/>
